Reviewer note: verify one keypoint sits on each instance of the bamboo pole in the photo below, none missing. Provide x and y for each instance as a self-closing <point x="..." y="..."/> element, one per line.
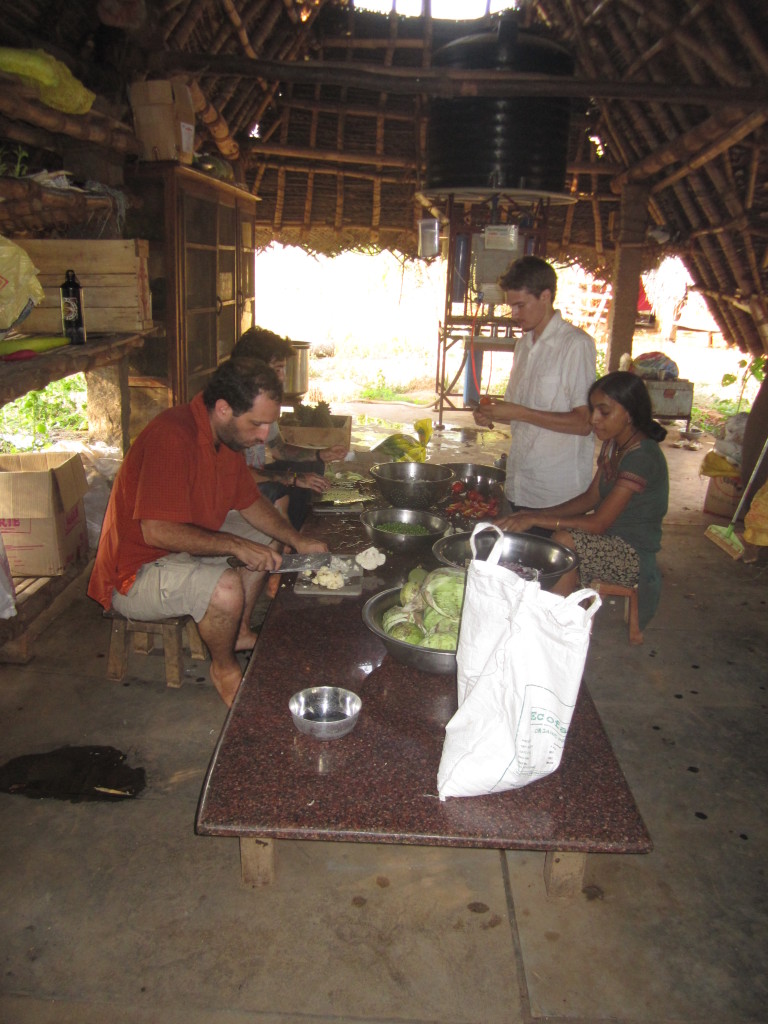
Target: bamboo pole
<point x="239" y="27"/>
<point x="308" y="198"/>
<point x="192" y="15"/>
<point x="747" y="36"/>
<point x="680" y="147"/>
<point x="352" y="110"/>
<point x="260" y="148"/>
<point x="717" y="148"/>
<point x="94" y="128"/>
<point x="450" y="83"/>
<point x="215" y="123"/>
<point x="666" y="40"/>
<point x="712" y="53"/>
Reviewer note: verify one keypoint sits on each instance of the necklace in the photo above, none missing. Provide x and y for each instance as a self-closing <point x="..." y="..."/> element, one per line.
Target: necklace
<point x="622" y="448"/>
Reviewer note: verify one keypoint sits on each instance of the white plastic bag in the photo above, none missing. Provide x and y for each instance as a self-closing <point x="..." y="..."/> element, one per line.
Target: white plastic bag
<point x="520" y="659"/>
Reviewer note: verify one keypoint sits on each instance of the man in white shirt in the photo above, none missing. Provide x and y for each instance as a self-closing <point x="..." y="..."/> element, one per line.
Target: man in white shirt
<point x="552" y="449"/>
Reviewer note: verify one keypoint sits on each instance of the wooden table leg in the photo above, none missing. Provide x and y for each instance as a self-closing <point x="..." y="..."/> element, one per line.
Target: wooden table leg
<point x="257" y="861"/>
<point x="564" y="873"/>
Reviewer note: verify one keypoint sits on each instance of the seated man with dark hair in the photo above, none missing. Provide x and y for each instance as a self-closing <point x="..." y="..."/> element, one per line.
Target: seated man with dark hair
<point x="184" y="501"/>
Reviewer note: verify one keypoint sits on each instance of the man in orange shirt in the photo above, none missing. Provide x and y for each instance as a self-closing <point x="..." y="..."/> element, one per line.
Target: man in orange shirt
<point x="184" y="501"/>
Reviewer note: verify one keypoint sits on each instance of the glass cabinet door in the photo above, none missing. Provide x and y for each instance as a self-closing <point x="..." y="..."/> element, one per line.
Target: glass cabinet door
<point x="226" y="277"/>
<point x="246" y="289"/>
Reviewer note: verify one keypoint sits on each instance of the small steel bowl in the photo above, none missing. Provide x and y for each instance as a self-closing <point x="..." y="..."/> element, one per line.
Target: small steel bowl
<point x="550" y="560"/>
<point x="488" y="480"/>
<point x="325" y="712"/>
<point x="409" y="543"/>
<point x="416" y="485"/>
<point x="423" y="658"/>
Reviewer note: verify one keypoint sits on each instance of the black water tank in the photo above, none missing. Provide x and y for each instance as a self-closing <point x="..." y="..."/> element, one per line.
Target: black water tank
<point x="487" y="143"/>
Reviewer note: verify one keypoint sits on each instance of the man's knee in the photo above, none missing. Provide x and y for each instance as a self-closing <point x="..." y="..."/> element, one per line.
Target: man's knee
<point x="228" y="595"/>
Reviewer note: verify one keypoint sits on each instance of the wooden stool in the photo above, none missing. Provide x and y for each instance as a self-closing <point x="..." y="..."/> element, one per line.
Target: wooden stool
<point x="630" y="605"/>
<point x="171" y="630"/>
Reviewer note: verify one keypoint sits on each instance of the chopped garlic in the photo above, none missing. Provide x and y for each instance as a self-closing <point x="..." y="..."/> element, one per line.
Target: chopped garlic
<point x="370" y="558"/>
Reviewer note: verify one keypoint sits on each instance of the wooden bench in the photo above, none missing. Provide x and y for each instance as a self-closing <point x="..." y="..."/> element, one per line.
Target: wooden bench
<point x="172" y="631"/>
<point x="629" y="594"/>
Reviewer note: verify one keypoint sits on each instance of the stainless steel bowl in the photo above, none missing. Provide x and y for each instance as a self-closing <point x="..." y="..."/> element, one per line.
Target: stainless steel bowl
<point x="551" y="560"/>
<point x="488" y="480"/>
<point x="325" y="712"/>
<point x="423" y="658"/>
<point x="410" y="543"/>
<point x="416" y="485"/>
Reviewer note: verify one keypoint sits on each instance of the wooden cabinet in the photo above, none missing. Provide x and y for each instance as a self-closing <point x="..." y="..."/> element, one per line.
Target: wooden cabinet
<point x="201" y="274"/>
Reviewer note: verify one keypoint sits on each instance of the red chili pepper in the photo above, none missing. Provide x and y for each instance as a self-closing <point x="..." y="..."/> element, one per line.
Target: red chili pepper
<point x="458" y="487"/>
<point x="19" y="355"/>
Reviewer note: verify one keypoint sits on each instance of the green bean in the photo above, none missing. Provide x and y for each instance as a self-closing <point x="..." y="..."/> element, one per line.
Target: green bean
<point x="396" y="527"/>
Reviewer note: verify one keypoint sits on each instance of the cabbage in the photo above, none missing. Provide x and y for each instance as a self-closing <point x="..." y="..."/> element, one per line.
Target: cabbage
<point x="434" y="621"/>
<point x="409" y="592"/>
<point x="443" y="590"/>
<point x="408" y="632"/>
<point x="440" y="641"/>
<point x="417" y="575"/>
<point x="393" y="615"/>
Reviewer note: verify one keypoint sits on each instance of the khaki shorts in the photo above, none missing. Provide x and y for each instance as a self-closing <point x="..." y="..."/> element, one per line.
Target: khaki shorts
<point x="181" y="584"/>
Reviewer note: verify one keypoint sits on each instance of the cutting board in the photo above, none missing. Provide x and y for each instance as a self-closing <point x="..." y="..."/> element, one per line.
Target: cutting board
<point x="353" y="586"/>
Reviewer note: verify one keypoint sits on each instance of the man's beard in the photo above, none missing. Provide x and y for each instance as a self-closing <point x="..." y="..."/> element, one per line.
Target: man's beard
<point x="227" y="436"/>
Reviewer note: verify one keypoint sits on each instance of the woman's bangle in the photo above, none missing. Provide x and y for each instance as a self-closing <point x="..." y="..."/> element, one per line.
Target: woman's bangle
<point x="557" y="525"/>
<point x="295" y="478"/>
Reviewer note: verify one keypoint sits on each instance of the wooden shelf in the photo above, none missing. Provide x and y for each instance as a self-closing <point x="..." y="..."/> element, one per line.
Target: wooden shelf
<point x="39" y="599"/>
<point x="17" y="378"/>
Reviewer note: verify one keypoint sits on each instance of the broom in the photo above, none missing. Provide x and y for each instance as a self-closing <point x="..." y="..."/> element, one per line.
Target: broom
<point x="724" y="536"/>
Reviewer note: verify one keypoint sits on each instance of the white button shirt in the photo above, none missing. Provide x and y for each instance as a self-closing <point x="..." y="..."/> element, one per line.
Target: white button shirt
<point x="554" y="375"/>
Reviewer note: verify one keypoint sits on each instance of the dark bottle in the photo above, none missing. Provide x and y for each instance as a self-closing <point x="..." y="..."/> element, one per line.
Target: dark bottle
<point x="72" y="321"/>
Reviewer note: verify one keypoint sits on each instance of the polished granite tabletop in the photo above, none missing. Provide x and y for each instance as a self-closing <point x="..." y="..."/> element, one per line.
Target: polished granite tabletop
<point x="379" y="782"/>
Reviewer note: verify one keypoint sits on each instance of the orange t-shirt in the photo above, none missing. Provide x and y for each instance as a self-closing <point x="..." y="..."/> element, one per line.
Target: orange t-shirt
<point x="174" y="472"/>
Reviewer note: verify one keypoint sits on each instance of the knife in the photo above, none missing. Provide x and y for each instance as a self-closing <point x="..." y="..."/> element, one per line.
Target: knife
<point x="293" y="563"/>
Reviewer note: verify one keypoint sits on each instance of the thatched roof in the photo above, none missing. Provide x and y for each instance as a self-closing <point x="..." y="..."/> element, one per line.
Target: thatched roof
<point x="668" y="96"/>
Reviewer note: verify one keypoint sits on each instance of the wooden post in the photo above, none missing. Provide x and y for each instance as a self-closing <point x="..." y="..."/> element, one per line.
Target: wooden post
<point x="633" y="222"/>
<point x="564" y="873"/>
<point x="109" y="404"/>
<point x="257" y="861"/>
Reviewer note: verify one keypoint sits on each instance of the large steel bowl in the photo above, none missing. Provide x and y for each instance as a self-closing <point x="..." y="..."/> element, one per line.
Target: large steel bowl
<point x="423" y="658"/>
<point x="488" y="480"/>
<point x="416" y="485"/>
<point x="550" y="560"/>
<point x="408" y="543"/>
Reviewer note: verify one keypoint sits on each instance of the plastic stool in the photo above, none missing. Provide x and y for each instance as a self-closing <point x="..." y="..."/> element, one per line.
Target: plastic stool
<point x="172" y="632"/>
<point x="630" y="606"/>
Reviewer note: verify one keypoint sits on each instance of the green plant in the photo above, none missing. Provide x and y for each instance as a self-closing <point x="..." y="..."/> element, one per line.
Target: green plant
<point x="381" y="390"/>
<point x="601" y="364"/>
<point x="712" y="415"/>
<point x="28" y="423"/>
<point x="13" y="162"/>
<point x="752" y="369"/>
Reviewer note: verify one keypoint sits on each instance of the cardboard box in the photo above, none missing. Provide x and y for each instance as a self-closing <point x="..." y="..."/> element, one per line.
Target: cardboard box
<point x="113" y="275"/>
<point x="318" y="437"/>
<point x="723" y="496"/>
<point x="164" y="119"/>
<point x="42" y="515"/>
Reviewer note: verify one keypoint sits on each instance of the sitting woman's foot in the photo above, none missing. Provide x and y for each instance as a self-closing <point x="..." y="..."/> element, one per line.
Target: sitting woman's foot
<point x="227" y="682"/>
